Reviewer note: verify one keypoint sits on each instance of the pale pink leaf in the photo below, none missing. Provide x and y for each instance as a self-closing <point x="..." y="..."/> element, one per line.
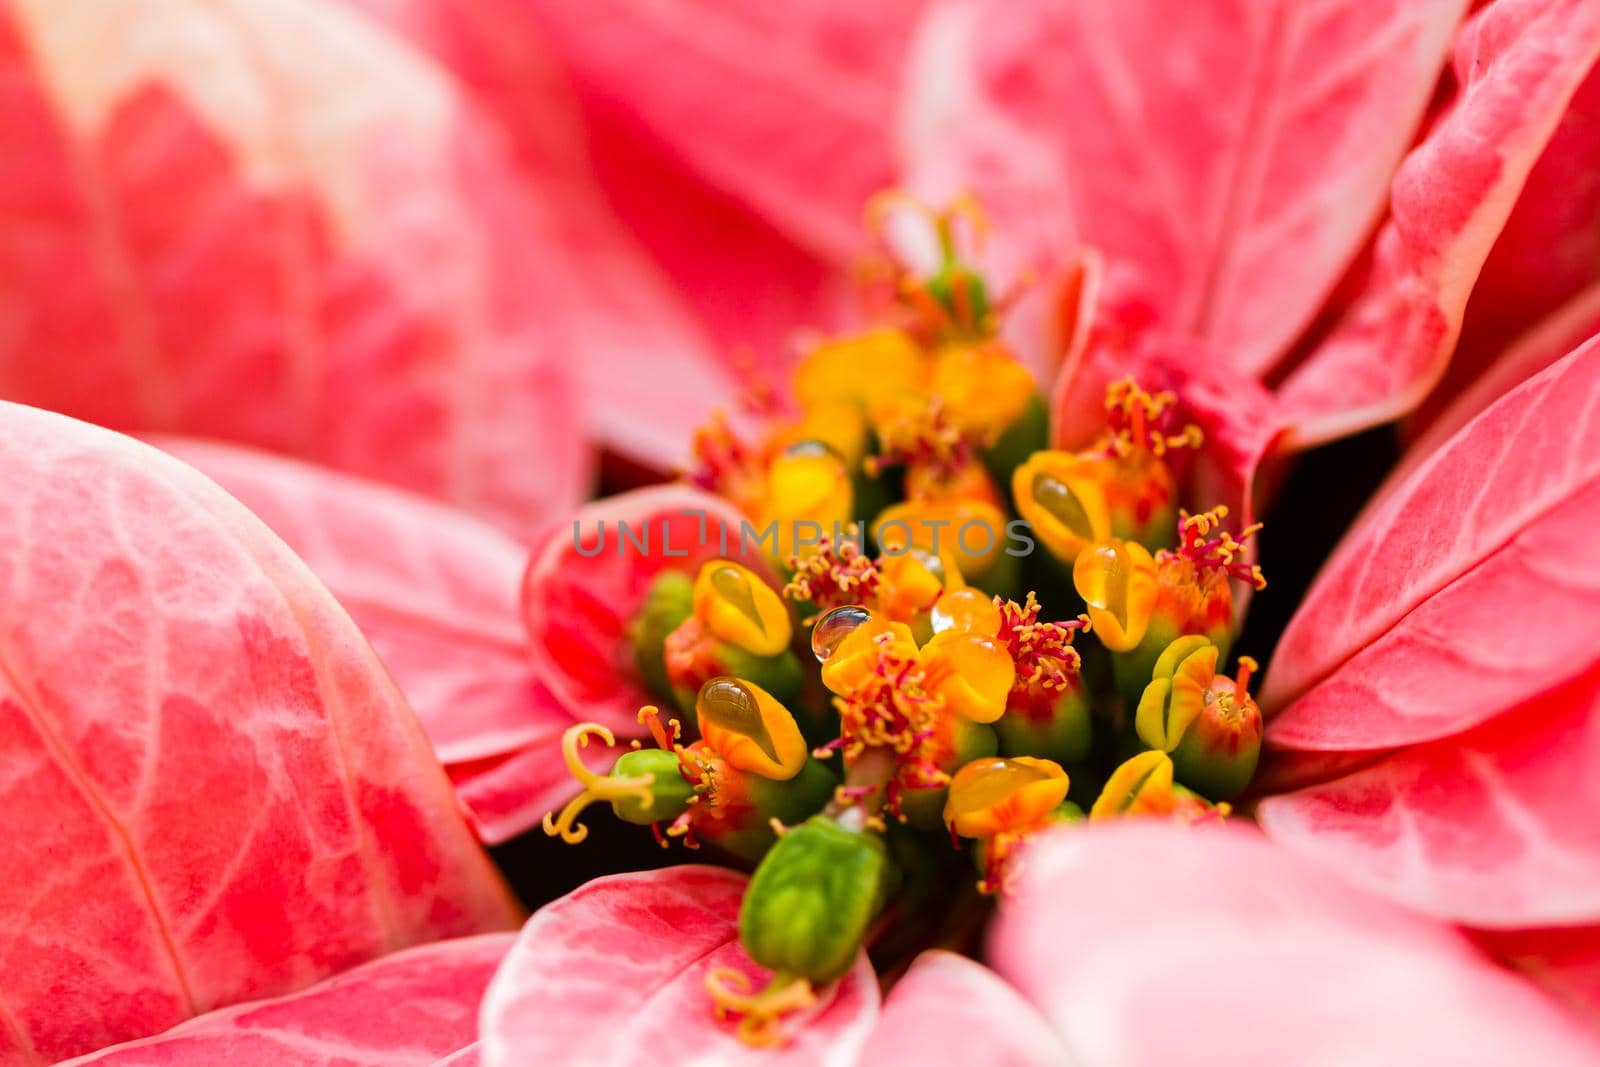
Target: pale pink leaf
<point x="950" y="1009"/>
<point x="215" y="792"/>
<point x="653" y="353"/>
<point x="1481" y="829"/>
<point x="1566" y="962"/>
<point x="435" y="591"/>
<point x="278" y="224"/>
<point x="1517" y="64"/>
<point x="613" y="974"/>
<point x="1563" y="330"/>
<point x="1156" y="944"/>
<point x="1466" y="592"/>
<point x="589" y="579"/>
<point x="1232" y="157"/>
<point x="720" y="87"/>
<point x="1547" y="255"/>
<point x="416" y="1008"/>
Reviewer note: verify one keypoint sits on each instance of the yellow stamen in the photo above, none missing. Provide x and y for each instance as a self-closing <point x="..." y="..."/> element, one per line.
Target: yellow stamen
<point x="761" y="1014"/>
<point x="1247" y="668"/>
<point x="1132" y="415"/>
<point x="595" y="786"/>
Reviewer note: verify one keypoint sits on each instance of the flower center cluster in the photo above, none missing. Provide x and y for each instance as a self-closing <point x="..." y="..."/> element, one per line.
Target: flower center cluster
<point x="993" y="636"/>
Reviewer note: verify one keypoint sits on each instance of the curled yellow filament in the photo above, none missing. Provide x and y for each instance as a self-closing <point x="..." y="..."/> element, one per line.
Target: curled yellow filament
<point x="761" y="1014"/>
<point x="595" y="786"/>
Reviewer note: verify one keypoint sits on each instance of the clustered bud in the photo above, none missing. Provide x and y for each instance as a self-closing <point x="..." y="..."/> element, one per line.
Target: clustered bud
<point x="904" y="684"/>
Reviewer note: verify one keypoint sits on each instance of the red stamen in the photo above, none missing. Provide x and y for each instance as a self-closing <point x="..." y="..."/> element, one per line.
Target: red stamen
<point x="1042" y="651"/>
<point x="1241" y="681"/>
<point x="1223" y="552"/>
<point x="833" y="577"/>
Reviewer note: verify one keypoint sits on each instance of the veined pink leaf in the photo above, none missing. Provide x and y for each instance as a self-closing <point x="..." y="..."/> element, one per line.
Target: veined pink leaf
<point x="1518" y="64"/>
<point x="1482" y="829"/>
<point x="949" y="1009"/>
<point x="613" y="974"/>
<point x="1237" y="212"/>
<point x="590" y="577"/>
<point x="416" y="1008"/>
<point x="279" y="225"/>
<point x="215" y="792"/>
<point x="1212" y="947"/>
<point x="653" y="366"/>
<point x="435" y="591"/>
<point x="1547" y="255"/>
<point x="1565" y="329"/>
<point x="1467" y="592"/>
<point x="719" y="87"/>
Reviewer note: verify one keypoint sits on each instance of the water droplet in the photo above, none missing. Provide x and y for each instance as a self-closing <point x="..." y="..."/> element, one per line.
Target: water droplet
<point x="731" y="704"/>
<point x="965" y="609"/>
<point x="1056" y="497"/>
<point x="733" y="584"/>
<point x="831" y="630"/>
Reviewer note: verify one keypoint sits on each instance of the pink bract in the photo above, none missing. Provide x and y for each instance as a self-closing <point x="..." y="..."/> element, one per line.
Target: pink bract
<point x="1212" y="947"/>
<point x="282" y="227"/>
<point x="415" y="1008"/>
<point x="1421" y="624"/>
<point x="1231" y="213"/>
<point x="950" y="1009"/>
<point x="587" y="581"/>
<point x="1518" y="64"/>
<point x="614" y="974"/>
<point x="237" y="799"/>
<point x="437" y="593"/>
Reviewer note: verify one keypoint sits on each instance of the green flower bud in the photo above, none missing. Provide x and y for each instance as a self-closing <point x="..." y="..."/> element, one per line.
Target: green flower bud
<point x="669" y="602"/>
<point x="669" y="793"/>
<point x="1053" y="724"/>
<point x="810" y="902"/>
<point x="743" y="827"/>
<point x="1218" y="753"/>
<point x="1177" y="691"/>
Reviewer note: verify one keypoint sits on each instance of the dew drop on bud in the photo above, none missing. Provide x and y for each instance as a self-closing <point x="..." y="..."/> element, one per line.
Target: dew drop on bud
<point x="967" y="610"/>
<point x="834" y="627"/>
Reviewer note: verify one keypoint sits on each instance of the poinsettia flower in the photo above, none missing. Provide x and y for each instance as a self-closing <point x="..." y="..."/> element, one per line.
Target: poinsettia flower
<point x="1230" y="269"/>
<point x="1264" y="351"/>
<point x="215" y="792"/>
